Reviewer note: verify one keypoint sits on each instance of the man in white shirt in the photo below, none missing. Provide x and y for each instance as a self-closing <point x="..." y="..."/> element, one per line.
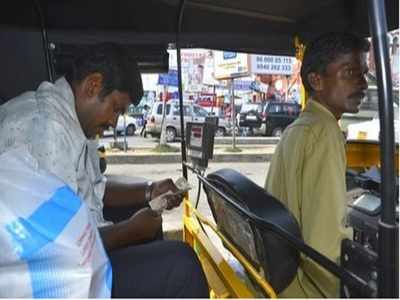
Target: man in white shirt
<point x="55" y="123"/>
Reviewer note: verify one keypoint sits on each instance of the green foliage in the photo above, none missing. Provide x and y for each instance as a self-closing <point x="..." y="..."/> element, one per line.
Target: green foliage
<point x="165" y="148"/>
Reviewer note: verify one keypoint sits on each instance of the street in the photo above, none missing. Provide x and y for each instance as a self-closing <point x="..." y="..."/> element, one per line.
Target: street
<point x="172" y="220"/>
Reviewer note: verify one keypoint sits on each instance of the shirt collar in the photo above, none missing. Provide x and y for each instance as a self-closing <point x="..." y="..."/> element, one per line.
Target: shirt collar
<point x="316" y="107"/>
<point x="64" y="89"/>
<point x="67" y="94"/>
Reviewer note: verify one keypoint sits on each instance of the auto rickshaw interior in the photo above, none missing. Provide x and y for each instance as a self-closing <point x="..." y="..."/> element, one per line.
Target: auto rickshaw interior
<point x="39" y="37"/>
<point x="264" y="231"/>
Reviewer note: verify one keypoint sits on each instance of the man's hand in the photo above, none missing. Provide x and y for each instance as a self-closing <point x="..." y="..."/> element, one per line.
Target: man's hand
<point x="163" y="186"/>
<point x="141" y="227"/>
<point x="148" y="221"/>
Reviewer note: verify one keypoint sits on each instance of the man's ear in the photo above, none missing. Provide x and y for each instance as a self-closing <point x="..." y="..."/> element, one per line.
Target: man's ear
<point x="315" y="80"/>
<point x="93" y="84"/>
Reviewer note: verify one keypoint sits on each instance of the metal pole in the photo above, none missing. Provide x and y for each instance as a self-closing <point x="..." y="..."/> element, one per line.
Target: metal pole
<point x="125" y="143"/>
<point x="178" y="56"/>
<point x="388" y="230"/>
<point x="214" y="100"/>
<point x="163" y="137"/>
<point x="45" y="41"/>
<point x="233" y="113"/>
<point x="287" y="88"/>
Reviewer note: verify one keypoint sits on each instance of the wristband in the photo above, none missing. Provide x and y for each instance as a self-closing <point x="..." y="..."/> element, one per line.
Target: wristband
<point x="147" y="192"/>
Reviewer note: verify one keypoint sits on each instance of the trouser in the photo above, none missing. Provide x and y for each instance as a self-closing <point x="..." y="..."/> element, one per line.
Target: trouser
<point x="161" y="269"/>
<point x="143" y="131"/>
<point x="120" y="213"/>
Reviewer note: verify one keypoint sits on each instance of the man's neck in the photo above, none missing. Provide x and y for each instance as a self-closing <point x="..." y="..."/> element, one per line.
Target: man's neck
<point x="336" y="114"/>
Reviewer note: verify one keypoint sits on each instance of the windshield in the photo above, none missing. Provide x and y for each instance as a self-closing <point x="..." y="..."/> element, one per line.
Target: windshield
<point x="249" y="107"/>
<point x="200" y="112"/>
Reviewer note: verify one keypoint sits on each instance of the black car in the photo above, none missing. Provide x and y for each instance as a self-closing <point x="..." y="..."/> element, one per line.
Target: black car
<point x="278" y="115"/>
<point x="250" y="115"/>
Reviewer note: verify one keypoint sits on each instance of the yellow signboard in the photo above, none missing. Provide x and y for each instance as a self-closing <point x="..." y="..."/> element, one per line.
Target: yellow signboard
<point x="228" y="65"/>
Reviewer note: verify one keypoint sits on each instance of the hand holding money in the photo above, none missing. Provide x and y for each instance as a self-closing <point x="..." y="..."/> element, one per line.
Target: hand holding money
<point x="171" y="196"/>
<point x="182" y="185"/>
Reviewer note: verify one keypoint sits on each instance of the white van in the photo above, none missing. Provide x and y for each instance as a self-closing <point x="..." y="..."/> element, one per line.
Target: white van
<point x="128" y="126"/>
<point x="192" y="113"/>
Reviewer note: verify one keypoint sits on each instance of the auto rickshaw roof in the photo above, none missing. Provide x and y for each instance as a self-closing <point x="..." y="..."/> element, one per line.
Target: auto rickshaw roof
<point x="255" y="26"/>
<point x="148" y="27"/>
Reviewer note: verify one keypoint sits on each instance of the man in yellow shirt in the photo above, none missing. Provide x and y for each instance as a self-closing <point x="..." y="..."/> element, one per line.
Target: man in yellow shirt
<point x="307" y="172"/>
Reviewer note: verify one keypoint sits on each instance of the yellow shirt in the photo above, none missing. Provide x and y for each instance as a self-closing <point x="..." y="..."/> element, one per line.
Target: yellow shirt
<point x="307" y="173"/>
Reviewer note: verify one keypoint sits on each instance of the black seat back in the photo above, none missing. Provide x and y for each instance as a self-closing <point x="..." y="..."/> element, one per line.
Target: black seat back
<point x="263" y="248"/>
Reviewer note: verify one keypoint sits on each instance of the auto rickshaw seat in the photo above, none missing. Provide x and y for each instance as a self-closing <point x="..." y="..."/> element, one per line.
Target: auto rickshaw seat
<point x="267" y="251"/>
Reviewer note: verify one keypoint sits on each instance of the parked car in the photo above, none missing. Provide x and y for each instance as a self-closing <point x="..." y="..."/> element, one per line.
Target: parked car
<point x="250" y="115"/>
<point x="278" y="115"/>
<point x="192" y="113"/>
<point x="129" y="127"/>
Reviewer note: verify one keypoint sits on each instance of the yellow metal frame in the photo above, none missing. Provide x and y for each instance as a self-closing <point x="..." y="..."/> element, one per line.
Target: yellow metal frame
<point x="300" y="49"/>
<point x="222" y="279"/>
<point x="363" y="154"/>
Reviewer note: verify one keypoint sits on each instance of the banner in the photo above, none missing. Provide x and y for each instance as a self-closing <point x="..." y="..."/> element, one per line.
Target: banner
<point x="229" y="65"/>
<point x="169" y="79"/>
<point x="272" y="64"/>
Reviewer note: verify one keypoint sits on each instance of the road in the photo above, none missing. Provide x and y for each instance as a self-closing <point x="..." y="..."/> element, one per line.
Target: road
<point x="172" y="220"/>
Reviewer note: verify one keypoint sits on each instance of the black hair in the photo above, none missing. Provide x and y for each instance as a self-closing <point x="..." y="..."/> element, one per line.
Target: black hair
<point x="120" y="70"/>
<point x="326" y="49"/>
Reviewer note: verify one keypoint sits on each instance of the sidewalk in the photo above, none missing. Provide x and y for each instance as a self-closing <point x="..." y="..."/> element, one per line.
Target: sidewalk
<point x="145" y="155"/>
